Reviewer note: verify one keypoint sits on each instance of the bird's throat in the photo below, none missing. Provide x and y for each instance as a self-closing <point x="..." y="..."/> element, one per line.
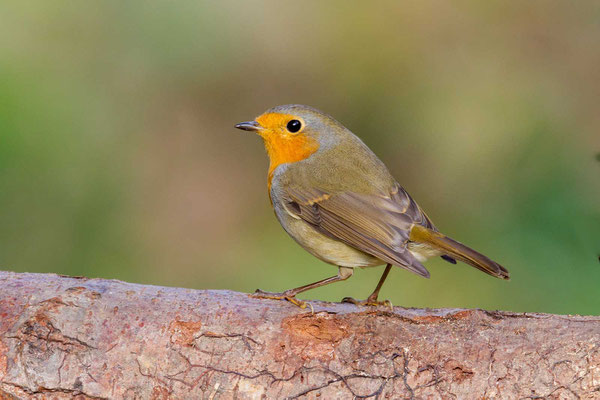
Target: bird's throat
<point x="287" y="149"/>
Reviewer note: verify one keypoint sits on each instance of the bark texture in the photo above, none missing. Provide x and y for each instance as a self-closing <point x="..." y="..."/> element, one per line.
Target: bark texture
<point x="64" y="337"/>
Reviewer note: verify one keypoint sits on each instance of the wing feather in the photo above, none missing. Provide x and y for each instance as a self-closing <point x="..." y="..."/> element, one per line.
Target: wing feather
<point x="375" y="224"/>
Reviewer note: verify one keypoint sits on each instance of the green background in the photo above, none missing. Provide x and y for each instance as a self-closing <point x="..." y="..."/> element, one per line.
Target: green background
<point x="118" y="156"/>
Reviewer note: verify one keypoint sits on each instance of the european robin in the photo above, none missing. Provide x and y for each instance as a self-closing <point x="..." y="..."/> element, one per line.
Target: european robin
<point x="335" y="198"/>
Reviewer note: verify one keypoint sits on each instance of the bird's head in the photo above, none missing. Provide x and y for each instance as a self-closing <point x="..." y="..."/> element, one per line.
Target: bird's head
<point x="293" y="132"/>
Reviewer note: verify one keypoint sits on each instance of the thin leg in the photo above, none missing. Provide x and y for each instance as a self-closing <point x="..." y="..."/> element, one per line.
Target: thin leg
<point x="372" y="299"/>
<point x="290" y="295"/>
<point x="375" y="294"/>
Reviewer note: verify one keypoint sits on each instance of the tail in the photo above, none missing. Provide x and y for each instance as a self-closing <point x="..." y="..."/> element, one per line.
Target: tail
<point x="454" y="249"/>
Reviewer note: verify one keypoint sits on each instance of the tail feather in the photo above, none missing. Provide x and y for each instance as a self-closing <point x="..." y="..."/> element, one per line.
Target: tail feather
<point x="456" y="250"/>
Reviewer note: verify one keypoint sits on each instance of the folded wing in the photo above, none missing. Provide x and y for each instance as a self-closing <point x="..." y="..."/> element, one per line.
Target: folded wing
<point x="375" y="224"/>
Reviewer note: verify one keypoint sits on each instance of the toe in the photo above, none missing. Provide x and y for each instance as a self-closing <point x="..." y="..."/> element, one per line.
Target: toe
<point x="298" y="303"/>
<point x="370" y="302"/>
<point x="267" y="295"/>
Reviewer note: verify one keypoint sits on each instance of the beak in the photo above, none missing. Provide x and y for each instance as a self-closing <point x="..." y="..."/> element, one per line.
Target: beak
<point x="249" y="126"/>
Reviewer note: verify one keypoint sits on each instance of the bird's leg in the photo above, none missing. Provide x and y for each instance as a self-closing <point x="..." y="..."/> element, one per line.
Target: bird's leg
<point x="290" y="295"/>
<point x="372" y="299"/>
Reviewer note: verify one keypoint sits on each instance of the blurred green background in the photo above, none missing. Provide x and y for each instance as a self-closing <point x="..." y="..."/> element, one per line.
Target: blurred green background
<point x="118" y="156"/>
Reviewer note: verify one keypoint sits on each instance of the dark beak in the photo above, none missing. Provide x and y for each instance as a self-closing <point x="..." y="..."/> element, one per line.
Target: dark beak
<point x="249" y="126"/>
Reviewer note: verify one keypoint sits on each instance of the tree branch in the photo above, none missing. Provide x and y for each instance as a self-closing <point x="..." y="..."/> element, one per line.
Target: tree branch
<point x="64" y="337"/>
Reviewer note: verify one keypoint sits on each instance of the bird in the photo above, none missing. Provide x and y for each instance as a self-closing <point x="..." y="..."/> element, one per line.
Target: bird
<point x="339" y="201"/>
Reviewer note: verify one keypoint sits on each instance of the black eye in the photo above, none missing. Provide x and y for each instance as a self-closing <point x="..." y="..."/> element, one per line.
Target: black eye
<point x="294" y="126"/>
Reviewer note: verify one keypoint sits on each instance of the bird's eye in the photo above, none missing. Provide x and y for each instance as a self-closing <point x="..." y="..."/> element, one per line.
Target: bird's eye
<point x="294" y="126"/>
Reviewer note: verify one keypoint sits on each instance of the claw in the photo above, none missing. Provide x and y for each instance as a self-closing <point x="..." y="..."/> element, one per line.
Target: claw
<point x="389" y="303"/>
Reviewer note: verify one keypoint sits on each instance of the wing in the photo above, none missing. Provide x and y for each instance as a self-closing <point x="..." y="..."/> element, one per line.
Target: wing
<point x="375" y="224"/>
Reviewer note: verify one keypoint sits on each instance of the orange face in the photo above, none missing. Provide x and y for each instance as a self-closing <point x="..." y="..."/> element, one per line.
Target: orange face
<point x="284" y="139"/>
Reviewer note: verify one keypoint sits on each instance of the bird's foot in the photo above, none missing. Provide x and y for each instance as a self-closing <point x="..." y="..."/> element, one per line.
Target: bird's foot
<point x="371" y="302"/>
<point x="282" y="296"/>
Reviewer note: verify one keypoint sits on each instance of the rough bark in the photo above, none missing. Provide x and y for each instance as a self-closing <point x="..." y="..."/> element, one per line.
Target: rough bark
<point x="64" y="337"/>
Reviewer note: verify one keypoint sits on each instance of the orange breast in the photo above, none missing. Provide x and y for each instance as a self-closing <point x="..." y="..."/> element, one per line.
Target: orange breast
<point x="288" y="150"/>
<point x="282" y="146"/>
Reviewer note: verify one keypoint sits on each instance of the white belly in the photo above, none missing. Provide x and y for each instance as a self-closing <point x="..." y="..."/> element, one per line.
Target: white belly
<point x="324" y="248"/>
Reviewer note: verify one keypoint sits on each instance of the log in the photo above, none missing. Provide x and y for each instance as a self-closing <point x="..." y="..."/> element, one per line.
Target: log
<point x="71" y="337"/>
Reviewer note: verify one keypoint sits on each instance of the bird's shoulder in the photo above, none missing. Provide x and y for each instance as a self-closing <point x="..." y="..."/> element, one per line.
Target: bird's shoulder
<point x="346" y="166"/>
